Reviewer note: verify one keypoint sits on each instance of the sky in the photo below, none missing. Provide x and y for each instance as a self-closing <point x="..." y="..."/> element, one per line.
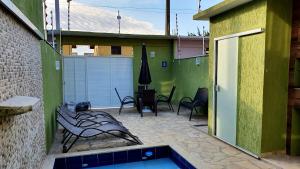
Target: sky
<point x="138" y="16"/>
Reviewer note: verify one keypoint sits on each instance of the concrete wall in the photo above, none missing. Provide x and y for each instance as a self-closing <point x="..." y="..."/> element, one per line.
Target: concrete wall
<point x="22" y="137"/>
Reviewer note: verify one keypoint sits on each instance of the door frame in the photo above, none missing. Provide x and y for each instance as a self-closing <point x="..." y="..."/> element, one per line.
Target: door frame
<point x="214" y="96"/>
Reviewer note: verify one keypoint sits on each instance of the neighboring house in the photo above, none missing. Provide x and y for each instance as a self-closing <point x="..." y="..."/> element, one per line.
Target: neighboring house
<point x="190" y="46"/>
<point x="251" y="71"/>
<point x="96" y="63"/>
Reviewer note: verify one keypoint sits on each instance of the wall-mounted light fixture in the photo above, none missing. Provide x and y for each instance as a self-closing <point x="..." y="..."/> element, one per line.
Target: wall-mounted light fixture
<point x="57" y="65"/>
<point x="152" y="54"/>
<point x="197" y="61"/>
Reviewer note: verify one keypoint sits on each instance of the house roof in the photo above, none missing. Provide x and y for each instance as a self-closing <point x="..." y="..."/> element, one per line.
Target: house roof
<point x="222" y="7"/>
<point x="112" y="35"/>
<point x="123" y="36"/>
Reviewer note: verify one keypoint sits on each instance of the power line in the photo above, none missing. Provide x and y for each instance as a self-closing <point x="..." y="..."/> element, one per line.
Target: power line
<point x="136" y="8"/>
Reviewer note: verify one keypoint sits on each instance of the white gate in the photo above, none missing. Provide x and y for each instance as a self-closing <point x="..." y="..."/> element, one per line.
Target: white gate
<point x="94" y="79"/>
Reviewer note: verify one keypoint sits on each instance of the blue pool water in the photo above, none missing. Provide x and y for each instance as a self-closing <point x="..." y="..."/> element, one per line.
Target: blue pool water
<point x="163" y="163"/>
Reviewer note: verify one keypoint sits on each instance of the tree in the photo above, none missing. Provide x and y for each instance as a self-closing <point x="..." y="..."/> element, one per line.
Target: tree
<point x="198" y="31"/>
<point x="205" y="33"/>
<point x="191" y="34"/>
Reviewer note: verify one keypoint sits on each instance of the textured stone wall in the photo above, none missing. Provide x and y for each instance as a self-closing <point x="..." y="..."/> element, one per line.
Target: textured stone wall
<point x="22" y="137"/>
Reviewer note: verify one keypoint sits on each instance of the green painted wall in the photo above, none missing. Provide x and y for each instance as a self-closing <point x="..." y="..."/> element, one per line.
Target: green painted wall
<point x="263" y="72"/>
<point x="52" y="89"/>
<point x="278" y="42"/>
<point x="250" y="70"/>
<point x="161" y="77"/>
<point x="33" y="9"/>
<point x="184" y="74"/>
<point x="188" y="77"/>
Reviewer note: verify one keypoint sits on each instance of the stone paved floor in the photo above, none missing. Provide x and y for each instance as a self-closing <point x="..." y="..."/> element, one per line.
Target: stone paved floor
<point x="167" y="128"/>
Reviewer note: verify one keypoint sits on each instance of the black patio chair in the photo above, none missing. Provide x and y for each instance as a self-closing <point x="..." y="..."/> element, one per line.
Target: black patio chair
<point x="200" y="100"/>
<point x="125" y="100"/>
<point x="80" y="132"/>
<point x="166" y="99"/>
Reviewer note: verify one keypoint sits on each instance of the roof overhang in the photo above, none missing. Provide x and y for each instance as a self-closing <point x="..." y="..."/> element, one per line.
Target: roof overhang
<point x="112" y="35"/>
<point x="222" y="7"/>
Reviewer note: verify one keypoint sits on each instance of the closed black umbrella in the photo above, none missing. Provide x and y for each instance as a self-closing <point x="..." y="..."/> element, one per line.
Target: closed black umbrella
<point x="145" y="77"/>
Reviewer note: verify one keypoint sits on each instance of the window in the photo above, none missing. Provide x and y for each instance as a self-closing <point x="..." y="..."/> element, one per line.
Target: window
<point x="116" y="50"/>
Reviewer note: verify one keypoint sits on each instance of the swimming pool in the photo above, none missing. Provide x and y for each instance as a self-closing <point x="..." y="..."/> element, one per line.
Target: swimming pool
<point x="162" y="157"/>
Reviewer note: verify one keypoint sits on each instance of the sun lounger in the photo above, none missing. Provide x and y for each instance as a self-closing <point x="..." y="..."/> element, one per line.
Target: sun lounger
<point x="79" y="132"/>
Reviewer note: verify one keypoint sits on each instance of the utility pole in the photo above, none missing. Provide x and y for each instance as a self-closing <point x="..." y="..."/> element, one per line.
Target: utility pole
<point x="69" y="1"/>
<point x="203" y="41"/>
<point x="52" y="31"/>
<point x="199" y="6"/>
<point x="167" y="31"/>
<point x="119" y="21"/>
<point x="57" y="14"/>
<point x="45" y="19"/>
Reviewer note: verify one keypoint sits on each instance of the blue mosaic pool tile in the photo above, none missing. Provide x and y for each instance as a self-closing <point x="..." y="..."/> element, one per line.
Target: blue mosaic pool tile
<point x="106" y="159"/>
<point x="74" y="162"/>
<point x="90" y="161"/>
<point x="134" y="155"/>
<point x="60" y="163"/>
<point x="120" y="157"/>
<point x="104" y="163"/>
<point x="180" y="161"/>
<point x="162" y="152"/>
<point x="148" y="153"/>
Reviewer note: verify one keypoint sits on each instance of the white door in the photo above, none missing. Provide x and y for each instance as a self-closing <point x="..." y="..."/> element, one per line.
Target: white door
<point x="80" y="79"/>
<point x="226" y="89"/>
<point x="121" y="70"/>
<point x="98" y="81"/>
<point x="69" y="79"/>
<point x="75" y="79"/>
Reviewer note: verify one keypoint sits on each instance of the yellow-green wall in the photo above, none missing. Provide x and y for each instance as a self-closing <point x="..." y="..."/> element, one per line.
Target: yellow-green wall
<point x="184" y="74"/>
<point x="250" y="70"/>
<point x="188" y="77"/>
<point x="278" y="42"/>
<point x="161" y="77"/>
<point x="262" y="72"/>
<point x="52" y="89"/>
<point x="33" y="9"/>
